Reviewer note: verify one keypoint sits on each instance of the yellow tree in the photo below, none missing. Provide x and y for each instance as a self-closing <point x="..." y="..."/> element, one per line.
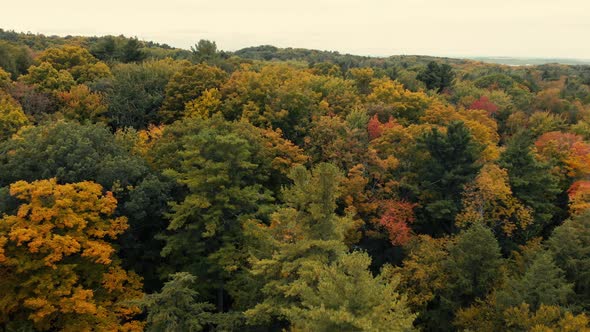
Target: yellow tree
<point x="57" y="266"/>
<point x="489" y="199"/>
<point x="12" y="117"/>
<point x="579" y="197"/>
<point x="81" y="104"/>
<point x="389" y="99"/>
<point x="77" y="61"/>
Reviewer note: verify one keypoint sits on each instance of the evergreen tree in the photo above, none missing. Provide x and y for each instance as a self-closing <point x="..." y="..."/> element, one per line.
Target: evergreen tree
<point x="472" y="268"/>
<point x="344" y="296"/>
<point x="304" y="262"/>
<point x="570" y="245"/>
<point x="531" y="182"/>
<point x="542" y="283"/>
<point x="451" y="164"/>
<point x="132" y="51"/>
<point x="437" y="76"/>
<point x="175" y="308"/>
<point x="226" y="173"/>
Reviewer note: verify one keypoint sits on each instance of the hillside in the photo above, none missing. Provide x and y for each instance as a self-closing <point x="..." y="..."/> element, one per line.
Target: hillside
<point x="146" y="187"/>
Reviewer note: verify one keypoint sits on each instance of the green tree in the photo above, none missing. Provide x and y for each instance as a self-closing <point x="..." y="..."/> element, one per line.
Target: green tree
<point x="132" y="51"/>
<point x="226" y="171"/>
<point x="48" y="79"/>
<point x="542" y="283"/>
<point x="304" y="262"/>
<point x="305" y="233"/>
<point x="5" y="79"/>
<point x="472" y="269"/>
<point x="137" y="92"/>
<point x="176" y="308"/>
<point x="570" y="245"/>
<point x="345" y="296"/>
<point x="437" y="76"/>
<point x="77" y="61"/>
<point x="451" y="163"/>
<point x="71" y="152"/>
<point x="15" y="58"/>
<point x="205" y="51"/>
<point x="532" y="182"/>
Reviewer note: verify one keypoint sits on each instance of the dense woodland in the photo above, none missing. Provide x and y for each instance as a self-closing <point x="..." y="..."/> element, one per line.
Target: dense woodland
<point x="145" y="187"/>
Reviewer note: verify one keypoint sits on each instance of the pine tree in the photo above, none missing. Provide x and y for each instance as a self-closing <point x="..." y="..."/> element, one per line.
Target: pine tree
<point x="310" y="281"/>
<point x="452" y="164"/>
<point x="570" y="245"/>
<point x="542" y="283"/>
<point x="344" y="296"/>
<point x="472" y="268"/>
<point x="175" y="307"/>
<point x="531" y="182"/>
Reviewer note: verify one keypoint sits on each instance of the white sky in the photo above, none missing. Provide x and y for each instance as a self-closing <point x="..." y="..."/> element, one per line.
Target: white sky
<point x="528" y="28"/>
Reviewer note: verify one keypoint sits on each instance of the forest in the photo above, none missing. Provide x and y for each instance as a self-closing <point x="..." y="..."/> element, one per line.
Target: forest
<point x="145" y="187"/>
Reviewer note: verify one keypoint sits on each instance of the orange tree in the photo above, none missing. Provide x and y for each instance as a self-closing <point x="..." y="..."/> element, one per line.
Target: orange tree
<point x="57" y="266"/>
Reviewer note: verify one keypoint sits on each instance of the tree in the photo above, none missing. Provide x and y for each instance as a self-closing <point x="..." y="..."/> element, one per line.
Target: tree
<point x="5" y="79"/>
<point x="226" y="173"/>
<point x="547" y="318"/>
<point x="362" y="78"/>
<point x="569" y="244"/>
<point x="77" y="61"/>
<point x="146" y="206"/>
<point x="303" y="260"/>
<point x="437" y="76"/>
<point x="15" y="58"/>
<point x="175" y="308"/>
<point x="12" y="117"/>
<point x="36" y="104"/>
<point x="137" y="92"/>
<point x="521" y="318"/>
<point x="542" y="283"/>
<point x="396" y="219"/>
<point x="422" y="272"/>
<point x="188" y="84"/>
<point x="566" y="152"/>
<point x="489" y="200"/>
<point x="275" y="96"/>
<point x="307" y="230"/>
<point x="364" y="302"/>
<point x="390" y="99"/>
<point x="47" y="78"/>
<point x="338" y="141"/>
<point x="579" y="197"/>
<point x="132" y="51"/>
<point x="531" y="182"/>
<point x="57" y="266"/>
<point x="452" y="163"/>
<point x="205" y="50"/>
<point x="484" y="103"/>
<point x="70" y="152"/>
<point x="472" y="268"/>
<point x="82" y="105"/>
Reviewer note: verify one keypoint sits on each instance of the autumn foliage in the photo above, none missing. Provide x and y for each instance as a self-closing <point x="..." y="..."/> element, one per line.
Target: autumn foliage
<point x="396" y="219"/>
<point x="57" y="243"/>
<point x="144" y="186"/>
<point x="484" y="103"/>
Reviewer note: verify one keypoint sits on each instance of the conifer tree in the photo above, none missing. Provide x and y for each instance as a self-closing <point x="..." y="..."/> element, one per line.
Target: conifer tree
<point x="304" y="263"/>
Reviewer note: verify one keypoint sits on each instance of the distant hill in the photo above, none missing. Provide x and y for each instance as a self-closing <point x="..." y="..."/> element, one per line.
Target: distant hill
<point x="531" y="61"/>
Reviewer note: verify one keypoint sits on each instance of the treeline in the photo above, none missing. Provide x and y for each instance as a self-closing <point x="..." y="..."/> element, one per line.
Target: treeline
<point x="144" y="187"/>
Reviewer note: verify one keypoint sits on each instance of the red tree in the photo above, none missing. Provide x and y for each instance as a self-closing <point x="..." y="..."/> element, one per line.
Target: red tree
<point x="485" y="104"/>
<point x="396" y="218"/>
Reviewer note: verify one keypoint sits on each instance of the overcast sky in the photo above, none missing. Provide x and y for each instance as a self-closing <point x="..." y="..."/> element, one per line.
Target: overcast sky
<point x="527" y="28"/>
